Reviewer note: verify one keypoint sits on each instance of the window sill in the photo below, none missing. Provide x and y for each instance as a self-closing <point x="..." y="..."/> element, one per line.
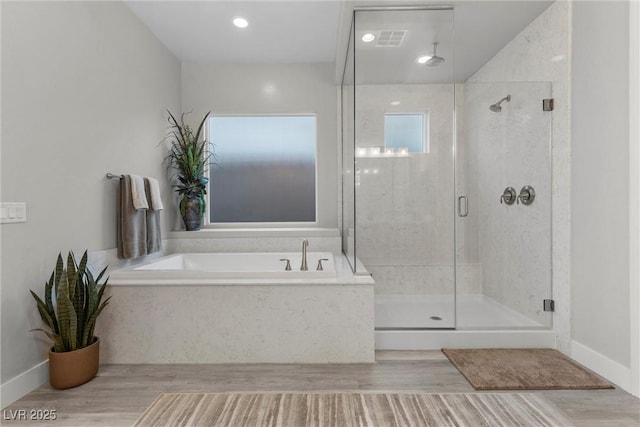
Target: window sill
<point x="213" y="233"/>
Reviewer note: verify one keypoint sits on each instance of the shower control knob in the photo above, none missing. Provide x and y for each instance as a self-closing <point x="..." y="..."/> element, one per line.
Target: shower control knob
<point x="527" y="195"/>
<point x="508" y="196"/>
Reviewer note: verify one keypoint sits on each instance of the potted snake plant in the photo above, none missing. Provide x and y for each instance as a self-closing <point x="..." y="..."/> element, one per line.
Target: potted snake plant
<point x="189" y="157"/>
<point x="71" y="306"/>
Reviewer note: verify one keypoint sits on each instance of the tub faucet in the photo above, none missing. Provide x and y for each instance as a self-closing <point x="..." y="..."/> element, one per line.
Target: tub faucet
<point x="305" y="243"/>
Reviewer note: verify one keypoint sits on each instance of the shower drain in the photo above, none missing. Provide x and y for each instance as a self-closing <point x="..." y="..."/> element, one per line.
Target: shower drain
<point x="435" y="318"/>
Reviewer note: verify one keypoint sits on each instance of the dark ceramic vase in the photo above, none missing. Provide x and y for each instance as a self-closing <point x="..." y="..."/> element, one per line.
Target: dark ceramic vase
<point x="192" y="209"/>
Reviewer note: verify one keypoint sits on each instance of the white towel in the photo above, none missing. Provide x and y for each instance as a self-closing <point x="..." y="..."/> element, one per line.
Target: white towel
<point x="137" y="193"/>
<point x="154" y="232"/>
<point x="154" y="189"/>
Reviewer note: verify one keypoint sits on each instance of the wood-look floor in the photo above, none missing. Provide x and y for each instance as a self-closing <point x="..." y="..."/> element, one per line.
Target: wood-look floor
<point x="121" y="393"/>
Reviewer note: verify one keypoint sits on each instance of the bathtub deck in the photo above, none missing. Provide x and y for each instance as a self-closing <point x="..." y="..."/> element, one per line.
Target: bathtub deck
<point x="121" y="393"/>
<point x="167" y="316"/>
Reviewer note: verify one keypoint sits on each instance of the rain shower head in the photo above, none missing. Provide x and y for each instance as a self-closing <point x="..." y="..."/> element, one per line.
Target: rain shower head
<point x="496" y="108"/>
<point x="435" y="60"/>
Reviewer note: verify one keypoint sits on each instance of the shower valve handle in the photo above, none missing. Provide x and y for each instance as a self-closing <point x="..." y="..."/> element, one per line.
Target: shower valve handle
<point x="527" y="195"/>
<point x="508" y="196"/>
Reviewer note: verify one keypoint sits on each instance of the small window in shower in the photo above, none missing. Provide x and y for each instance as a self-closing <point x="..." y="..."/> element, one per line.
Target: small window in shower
<point x="406" y="133"/>
<point x="265" y="169"/>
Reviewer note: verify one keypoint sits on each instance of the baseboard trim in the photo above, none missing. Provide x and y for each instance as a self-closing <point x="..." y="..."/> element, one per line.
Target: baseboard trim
<point x="24" y="383"/>
<point x="613" y="371"/>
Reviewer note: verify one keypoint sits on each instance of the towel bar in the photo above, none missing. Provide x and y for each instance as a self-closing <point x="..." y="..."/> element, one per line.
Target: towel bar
<point x="112" y="176"/>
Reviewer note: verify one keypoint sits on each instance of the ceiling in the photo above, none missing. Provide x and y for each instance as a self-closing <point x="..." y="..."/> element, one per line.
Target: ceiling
<point x="311" y="31"/>
<point x="398" y="64"/>
<point x="278" y="31"/>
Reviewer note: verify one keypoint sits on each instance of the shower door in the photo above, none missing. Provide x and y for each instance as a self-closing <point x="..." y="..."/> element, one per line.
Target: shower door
<point x="504" y="224"/>
<point x="404" y="164"/>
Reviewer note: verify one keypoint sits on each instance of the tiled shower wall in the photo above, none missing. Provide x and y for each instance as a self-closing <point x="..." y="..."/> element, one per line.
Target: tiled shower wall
<point x="405" y="205"/>
<point x="539" y="54"/>
<point x="504" y="149"/>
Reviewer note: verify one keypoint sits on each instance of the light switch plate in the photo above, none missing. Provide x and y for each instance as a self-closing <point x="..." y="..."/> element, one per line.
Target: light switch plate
<point x="12" y="212"/>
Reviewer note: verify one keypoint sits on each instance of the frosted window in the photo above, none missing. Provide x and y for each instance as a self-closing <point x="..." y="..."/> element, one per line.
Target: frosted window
<point x="266" y="169"/>
<point x="405" y="131"/>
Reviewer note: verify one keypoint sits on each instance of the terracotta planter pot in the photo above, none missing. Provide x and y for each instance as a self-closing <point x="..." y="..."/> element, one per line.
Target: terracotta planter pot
<point x="72" y="368"/>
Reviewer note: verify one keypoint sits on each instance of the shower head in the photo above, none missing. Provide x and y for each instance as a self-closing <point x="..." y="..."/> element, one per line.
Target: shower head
<point x="496" y="108"/>
<point x="435" y="60"/>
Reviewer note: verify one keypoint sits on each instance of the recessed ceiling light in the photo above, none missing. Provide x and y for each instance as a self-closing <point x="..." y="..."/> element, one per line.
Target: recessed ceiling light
<point x="368" y="37"/>
<point x="424" y="59"/>
<point x="395" y="103"/>
<point x="240" y="22"/>
<point x="269" y="88"/>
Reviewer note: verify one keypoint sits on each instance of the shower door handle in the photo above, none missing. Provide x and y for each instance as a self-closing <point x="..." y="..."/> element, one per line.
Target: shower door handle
<point x="463" y="201"/>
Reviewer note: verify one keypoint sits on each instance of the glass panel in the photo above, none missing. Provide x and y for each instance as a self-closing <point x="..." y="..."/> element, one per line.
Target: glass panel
<point x="504" y="249"/>
<point x="348" y="157"/>
<point x="405" y="209"/>
<point x="266" y="169"/>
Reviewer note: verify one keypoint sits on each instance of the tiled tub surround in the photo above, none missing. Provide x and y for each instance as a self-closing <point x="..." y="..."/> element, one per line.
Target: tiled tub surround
<point x="253" y="240"/>
<point x="298" y="320"/>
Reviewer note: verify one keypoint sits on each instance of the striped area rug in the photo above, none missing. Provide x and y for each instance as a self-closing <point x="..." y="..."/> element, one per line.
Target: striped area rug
<point x="351" y="409"/>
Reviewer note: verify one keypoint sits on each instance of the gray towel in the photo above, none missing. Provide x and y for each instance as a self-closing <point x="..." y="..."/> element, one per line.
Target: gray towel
<point x="154" y="236"/>
<point x="132" y="224"/>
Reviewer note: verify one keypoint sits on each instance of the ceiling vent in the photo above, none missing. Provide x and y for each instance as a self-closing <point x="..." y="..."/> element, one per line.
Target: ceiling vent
<point x="390" y="38"/>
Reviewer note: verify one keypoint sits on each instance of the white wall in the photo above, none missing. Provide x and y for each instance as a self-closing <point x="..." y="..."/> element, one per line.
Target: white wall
<point x="274" y="89"/>
<point x="600" y="191"/>
<point x="634" y="194"/>
<point x="85" y="86"/>
<point x="541" y="53"/>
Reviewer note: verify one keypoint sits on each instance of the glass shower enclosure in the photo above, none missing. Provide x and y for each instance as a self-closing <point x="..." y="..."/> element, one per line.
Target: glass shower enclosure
<point x="425" y="163"/>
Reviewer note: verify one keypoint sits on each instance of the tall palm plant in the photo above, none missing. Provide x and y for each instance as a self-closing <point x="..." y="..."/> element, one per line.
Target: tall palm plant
<point x="189" y="157"/>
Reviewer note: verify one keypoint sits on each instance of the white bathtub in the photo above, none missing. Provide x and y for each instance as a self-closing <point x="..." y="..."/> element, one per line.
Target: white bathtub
<point x="238" y="308"/>
<point x="204" y="268"/>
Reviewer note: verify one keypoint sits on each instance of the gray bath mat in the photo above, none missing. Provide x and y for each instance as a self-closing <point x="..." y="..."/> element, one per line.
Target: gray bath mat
<point x="522" y="369"/>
